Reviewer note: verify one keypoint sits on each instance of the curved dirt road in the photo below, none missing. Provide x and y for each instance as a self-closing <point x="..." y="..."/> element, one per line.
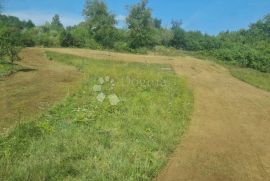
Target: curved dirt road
<point x="229" y="135"/>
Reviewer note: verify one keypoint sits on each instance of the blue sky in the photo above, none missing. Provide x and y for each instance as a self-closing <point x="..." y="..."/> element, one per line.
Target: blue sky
<point x="208" y="16"/>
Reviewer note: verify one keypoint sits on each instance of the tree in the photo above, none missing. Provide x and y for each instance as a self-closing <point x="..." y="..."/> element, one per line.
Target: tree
<point x="29" y="24"/>
<point x="100" y="22"/>
<point x="9" y="44"/>
<point x="178" y="40"/>
<point x="140" y="24"/>
<point x="28" y="37"/>
<point x="157" y="23"/>
<point x="9" y="39"/>
<point x="56" y="23"/>
<point x="66" y="39"/>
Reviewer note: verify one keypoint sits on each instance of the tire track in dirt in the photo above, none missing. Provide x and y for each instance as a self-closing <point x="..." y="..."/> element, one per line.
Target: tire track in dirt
<point x="24" y="95"/>
<point x="228" y="137"/>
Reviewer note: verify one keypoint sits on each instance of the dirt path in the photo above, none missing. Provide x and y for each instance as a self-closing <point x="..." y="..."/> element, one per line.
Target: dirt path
<point x="229" y="135"/>
<point x="24" y="95"/>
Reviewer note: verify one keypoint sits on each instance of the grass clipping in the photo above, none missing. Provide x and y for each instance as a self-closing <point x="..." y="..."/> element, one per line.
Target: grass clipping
<point x="126" y="136"/>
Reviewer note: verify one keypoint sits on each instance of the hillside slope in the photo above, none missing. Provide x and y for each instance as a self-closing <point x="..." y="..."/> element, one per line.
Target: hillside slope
<point x="229" y="133"/>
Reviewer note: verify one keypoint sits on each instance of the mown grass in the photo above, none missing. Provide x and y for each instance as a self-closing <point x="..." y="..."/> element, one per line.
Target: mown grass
<point x="253" y="77"/>
<point x="84" y="139"/>
<point x="168" y="51"/>
<point x="8" y="68"/>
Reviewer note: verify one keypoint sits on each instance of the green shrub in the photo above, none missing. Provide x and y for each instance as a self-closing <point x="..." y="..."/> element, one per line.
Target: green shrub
<point x="9" y="44"/>
<point x="91" y="43"/>
<point x="243" y="56"/>
<point x="142" y="50"/>
<point x="121" y="46"/>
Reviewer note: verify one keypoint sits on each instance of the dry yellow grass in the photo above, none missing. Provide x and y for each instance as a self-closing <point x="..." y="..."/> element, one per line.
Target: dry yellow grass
<point x="25" y="95"/>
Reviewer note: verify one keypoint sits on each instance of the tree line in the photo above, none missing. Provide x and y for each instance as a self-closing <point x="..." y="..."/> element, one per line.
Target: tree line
<point x="246" y="47"/>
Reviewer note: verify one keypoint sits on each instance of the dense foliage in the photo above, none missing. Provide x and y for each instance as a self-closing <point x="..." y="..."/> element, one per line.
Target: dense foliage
<point x="9" y="46"/>
<point x="100" y="23"/>
<point x="247" y="48"/>
<point x="10" y="36"/>
<point x="140" y="24"/>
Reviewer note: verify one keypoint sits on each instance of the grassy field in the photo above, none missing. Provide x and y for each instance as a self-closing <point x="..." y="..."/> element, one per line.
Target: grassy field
<point x="7" y="68"/>
<point x="250" y="76"/>
<point x="253" y="77"/>
<point x="92" y="136"/>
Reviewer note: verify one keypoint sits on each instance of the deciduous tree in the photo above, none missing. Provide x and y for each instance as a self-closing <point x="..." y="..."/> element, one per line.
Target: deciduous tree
<point x="56" y="23"/>
<point x="101" y="22"/>
<point x="178" y="40"/>
<point x="140" y="24"/>
<point x="9" y="44"/>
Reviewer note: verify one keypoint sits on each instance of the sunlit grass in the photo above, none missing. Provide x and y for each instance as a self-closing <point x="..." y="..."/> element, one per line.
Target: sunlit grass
<point x="8" y="68"/>
<point x="253" y="77"/>
<point x="84" y="139"/>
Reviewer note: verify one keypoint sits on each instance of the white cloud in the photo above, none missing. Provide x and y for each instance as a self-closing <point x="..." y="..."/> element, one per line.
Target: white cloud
<point x="121" y="21"/>
<point x="39" y="18"/>
<point x="121" y="18"/>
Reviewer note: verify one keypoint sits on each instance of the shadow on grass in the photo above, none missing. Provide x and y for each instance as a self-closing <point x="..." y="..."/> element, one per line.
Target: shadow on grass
<point x="22" y="69"/>
<point x="15" y="70"/>
<point x="27" y="70"/>
<point x="7" y="63"/>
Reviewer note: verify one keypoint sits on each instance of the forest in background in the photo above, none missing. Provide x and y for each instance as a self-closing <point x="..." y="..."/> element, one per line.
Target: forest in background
<point x="246" y="48"/>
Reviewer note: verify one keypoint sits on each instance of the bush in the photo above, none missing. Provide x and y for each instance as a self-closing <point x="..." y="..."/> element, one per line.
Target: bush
<point x="28" y="38"/>
<point x="243" y="56"/>
<point x="10" y="44"/>
<point x="91" y="43"/>
<point x="140" y="50"/>
<point x="66" y="39"/>
<point x="121" y="46"/>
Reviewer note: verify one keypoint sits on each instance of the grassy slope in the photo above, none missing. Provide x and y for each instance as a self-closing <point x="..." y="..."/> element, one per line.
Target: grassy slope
<point x="84" y="139"/>
<point x="7" y="68"/>
<point x="250" y="76"/>
<point x="253" y="77"/>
